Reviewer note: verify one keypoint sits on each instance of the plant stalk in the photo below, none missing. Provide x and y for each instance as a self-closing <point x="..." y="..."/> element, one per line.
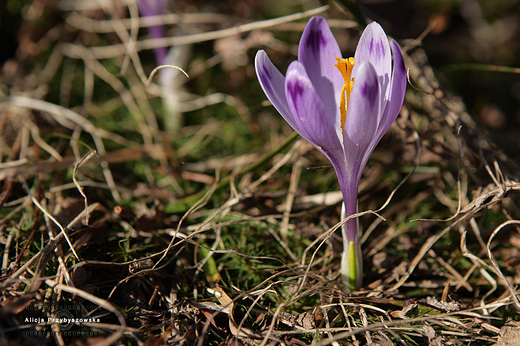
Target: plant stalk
<point x="351" y="259"/>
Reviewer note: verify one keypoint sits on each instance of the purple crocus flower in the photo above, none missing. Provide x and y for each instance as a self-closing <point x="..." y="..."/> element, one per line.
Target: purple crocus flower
<point x="343" y="107"/>
<point x="174" y="56"/>
<point x="155" y="8"/>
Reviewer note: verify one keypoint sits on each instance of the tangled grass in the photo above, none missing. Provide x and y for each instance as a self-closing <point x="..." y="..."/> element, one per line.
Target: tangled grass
<point x="114" y="230"/>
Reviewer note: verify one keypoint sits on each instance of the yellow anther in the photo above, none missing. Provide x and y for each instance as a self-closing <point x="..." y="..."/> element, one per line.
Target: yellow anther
<point x="345" y="67"/>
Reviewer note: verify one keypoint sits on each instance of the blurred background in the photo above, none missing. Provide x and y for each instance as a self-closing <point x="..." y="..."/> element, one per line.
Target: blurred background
<point x="472" y="45"/>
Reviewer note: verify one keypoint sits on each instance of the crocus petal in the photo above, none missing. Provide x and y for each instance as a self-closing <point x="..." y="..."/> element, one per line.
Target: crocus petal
<point x="373" y="47"/>
<point x="152" y="7"/>
<point x="273" y="84"/>
<point x="362" y="118"/>
<point x="317" y="51"/>
<point x="310" y="115"/>
<point x="397" y="91"/>
<point x="155" y="8"/>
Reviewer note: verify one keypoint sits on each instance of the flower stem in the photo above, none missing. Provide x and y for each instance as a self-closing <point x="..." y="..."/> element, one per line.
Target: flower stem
<point x="351" y="260"/>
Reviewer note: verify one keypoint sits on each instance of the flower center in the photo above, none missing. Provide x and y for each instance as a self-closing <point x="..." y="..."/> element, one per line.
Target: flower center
<point x="345" y="67"/>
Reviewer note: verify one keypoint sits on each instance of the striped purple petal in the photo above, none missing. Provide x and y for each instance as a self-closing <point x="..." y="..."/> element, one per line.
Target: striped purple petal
<point x="362" y="118"/>
<point x="310" y="115"/>
<point x="273" y="84"/>
<point x="373" y="47"/>
<point x="317" y="51"/>
<point x="396" y="94"/>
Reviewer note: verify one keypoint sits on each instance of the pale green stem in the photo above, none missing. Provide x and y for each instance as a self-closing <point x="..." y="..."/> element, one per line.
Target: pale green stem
<point x="351" y="259"/>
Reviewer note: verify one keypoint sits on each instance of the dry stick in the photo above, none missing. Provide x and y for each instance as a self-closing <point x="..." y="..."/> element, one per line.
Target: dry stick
<point x="78" y="186"/>
<point x="117" y="156"/>
<point x="490" y="199"/>
<point x="235" y="197"/>
<point x="459" y="186"/>
<point x="293" y="185"/>
<point x="118" y="86"/>
<point x="228" y="304"/>
<point x="424" y="249"/>
<point x="417" y="164"/>
<point x="248" y="312"/>
<point x="456" y="274"/>
<point x="189" y="200"/>
<point x="271" y="284"/>
<point x="128" y="39"/>
<point x="418" y="41"/>
<point x="131" y="54"/>
<point x="8" y="241"/>
<point x="281" y="242"/>
<point x="273" y="322"/>
<point x="199" y="204"/>
<point x="512" y="290"/>
<point x="287" y="157"/>
<point x="47" y="214"/>
<point x="65" y="116"/>
<point x="364" y="321"/>
<point x="223" y="210"/>
<point x="405" y="323"/>
<point x="35" y="133"/>
<point x="120" y="49"/>
<point x="44" y="253"/>
<point x="105" y="26"/>
<point x="323" y="238"/>
<point x="6" y="192"/>
<point x="160" y="67"/>
<point x="75" y="139"/>
<point x="478" y="263"/>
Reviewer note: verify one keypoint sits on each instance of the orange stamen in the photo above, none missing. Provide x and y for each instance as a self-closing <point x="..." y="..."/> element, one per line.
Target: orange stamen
<point x="345" y="67"/>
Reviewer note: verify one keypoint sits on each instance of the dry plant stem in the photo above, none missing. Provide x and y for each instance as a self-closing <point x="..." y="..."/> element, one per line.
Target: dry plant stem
<point x="8" y="242"/>
<point x="183" y="242"/>
<point x="293" y="185"/>
<point x="128" y="39"/>
<point x="188" y="201"/>
<point x="70" y="119"/>
<point x="158" y="68"/>
<point x="43" y="255"/>
<point x="405" y="323"/>
<point x="282" y="243"/>
<point x="287" y="157"/>
<point x="119" y="330"/>
<point x="481" y="202"/>
<point x="105" y="26"/>
<point x="78" y="186"/>
<point x="208" y="100"/>
<point x="120" y="49"/>
<point x="49" y="216"/>
<point x="512" y="290"/>
<point x="322" y="239"/>
<point x="35" y="133"/>
<point x="126" y="96"/>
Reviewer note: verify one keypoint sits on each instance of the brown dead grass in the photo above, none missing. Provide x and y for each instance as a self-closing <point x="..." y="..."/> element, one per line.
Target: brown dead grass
<point x="441" y="239"/>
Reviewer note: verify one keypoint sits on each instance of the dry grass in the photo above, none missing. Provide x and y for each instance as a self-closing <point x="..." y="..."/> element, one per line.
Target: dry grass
<point x="192" y="239"/>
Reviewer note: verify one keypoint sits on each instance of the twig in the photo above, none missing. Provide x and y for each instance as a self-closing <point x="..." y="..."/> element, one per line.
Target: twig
<point x="78" y="186"/>
<point x="120" y="49"/>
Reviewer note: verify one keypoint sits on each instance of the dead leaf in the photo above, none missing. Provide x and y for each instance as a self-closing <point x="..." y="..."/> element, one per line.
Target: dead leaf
<point x="509" y="334"/>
